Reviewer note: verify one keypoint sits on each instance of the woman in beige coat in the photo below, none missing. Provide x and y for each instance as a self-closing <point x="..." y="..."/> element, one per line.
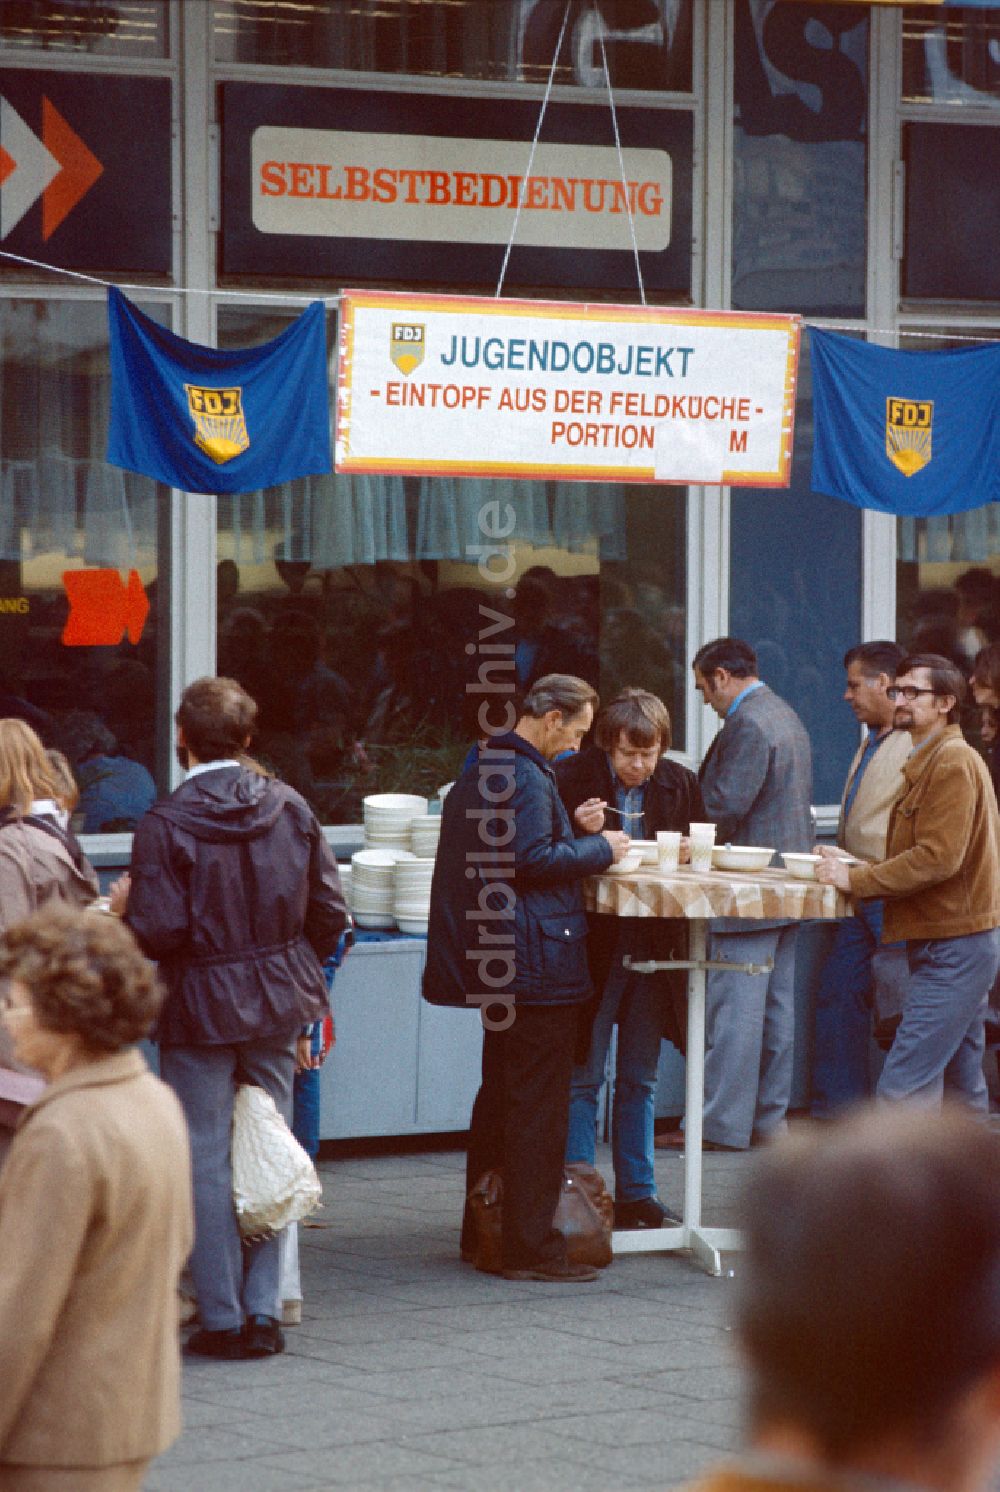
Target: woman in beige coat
<point x="95" y="1216"/>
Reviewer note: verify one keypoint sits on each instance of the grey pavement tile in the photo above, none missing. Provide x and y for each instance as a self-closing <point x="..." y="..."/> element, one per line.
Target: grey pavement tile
<point x="497" y="1445"/>
<point x="441" y="1383"/>
<point x="698" y="1383"/>
<point x="594" y="1396"/>
<point x="665" y="1357"/>
<point x="352" y="1466"/>
<point x="722" y="1409"/>
<point x="247" y="1475"/>
<point x="549" y="1369"/>
<point x="670" y="1459"/>
<point x="519" y="1475"/>
<point x="413" y="1372"/>
<point x="336" y="1395"/>
<point x="404" y="1355"/>
<point x="473" y="1412"/>
<point x="206" y="1445"/>
<point x="632" y="1427"/>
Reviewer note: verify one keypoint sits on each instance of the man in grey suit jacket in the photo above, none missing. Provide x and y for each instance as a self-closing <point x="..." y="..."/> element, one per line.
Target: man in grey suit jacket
<point x="756" y="781"/>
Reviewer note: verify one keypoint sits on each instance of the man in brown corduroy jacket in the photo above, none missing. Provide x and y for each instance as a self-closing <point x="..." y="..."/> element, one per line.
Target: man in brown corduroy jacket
<point x="940" y="882"/>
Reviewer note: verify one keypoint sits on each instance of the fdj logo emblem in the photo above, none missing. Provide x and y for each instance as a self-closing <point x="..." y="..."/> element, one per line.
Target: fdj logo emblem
<point x="406" y="347"/>
<point x="908" y="433"/>
<point x="220" y="429"/>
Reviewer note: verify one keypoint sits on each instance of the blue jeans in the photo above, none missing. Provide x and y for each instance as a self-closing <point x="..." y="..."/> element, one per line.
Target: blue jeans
<point x="842" y="1050"/>
<point x="638" y="1008"/>
<point x="938" y="1049"/>
<point x="305" y="1100"/>
<point x="232" y="1279"/>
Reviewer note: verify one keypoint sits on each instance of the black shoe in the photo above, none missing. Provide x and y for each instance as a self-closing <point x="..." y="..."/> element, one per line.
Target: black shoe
<point x="262" y="1337"/>
<point x="646" y="1212"/>
<point x="228" y="1344"/>
<point x="561" y="1271"/>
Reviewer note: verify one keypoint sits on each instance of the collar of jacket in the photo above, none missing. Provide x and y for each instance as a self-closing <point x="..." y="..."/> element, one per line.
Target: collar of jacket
<point x="916" y="765"/>
<point x="116" y="1067"/>
<point x="513" y="742"/>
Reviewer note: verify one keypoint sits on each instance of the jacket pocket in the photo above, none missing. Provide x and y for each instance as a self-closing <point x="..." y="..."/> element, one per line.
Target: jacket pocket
<point x="562" y="948"/>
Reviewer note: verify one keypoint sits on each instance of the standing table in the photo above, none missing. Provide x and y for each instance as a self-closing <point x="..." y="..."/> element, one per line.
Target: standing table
<point x="698" y="897"/>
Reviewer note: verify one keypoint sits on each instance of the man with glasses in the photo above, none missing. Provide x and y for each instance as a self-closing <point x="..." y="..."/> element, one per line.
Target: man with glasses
<point x="842" y="1050"/>
<point x="941" y="885"/>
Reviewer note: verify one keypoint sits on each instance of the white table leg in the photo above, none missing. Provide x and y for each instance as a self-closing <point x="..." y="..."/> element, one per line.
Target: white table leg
<point x="705" y="1244"/>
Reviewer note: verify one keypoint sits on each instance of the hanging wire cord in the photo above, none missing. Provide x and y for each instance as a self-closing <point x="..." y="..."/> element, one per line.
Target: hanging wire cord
<point x="531" y="153"/>
<point x="618" y="145"/>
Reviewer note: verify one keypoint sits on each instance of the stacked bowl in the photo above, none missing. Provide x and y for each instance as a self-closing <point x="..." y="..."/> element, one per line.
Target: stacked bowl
<point x="411" y="904"/>
<point x="372" y="895"/>
<point x="387" y="819"/>
<point x="425" y="831"/>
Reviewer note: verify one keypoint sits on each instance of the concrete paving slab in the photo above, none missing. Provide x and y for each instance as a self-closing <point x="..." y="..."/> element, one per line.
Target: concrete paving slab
<point x="412" y="1371"/>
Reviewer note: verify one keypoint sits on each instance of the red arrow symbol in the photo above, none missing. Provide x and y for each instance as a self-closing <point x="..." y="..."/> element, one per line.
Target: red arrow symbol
<point x="102" y="606"/>
<point x="80" y="168"/>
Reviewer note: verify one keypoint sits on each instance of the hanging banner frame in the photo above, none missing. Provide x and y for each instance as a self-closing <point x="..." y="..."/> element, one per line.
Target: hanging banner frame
<point x="471" y="386"/>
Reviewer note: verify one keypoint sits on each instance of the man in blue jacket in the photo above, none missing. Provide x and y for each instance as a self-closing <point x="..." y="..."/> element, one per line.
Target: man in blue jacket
<point x="235" y="893"/>
<point x="508" y="934"/>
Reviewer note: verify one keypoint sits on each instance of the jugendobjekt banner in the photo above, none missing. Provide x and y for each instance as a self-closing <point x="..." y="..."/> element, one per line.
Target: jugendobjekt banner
<point x="480" y="387"/>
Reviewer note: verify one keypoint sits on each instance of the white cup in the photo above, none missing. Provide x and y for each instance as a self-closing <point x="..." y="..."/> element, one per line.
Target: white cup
<point x="668" y="848"/>
<point x="702" y="843"/>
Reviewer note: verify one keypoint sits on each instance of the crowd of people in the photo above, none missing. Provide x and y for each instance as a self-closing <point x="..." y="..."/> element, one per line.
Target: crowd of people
<point x="917" y="853"/>
<point x="234" y="895"/>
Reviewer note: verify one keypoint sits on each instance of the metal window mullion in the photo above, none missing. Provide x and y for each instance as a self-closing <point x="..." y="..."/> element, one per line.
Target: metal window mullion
<point x="193" y="515"/>
<point x="878" y="530"/>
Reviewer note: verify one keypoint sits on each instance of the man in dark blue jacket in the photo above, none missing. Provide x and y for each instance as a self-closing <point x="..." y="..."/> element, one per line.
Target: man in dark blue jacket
<point x="235" y="893"/>
<point x="508" y="933"/>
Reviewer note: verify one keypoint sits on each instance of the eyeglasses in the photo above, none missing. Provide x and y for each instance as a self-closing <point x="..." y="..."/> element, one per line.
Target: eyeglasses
<point x="907" y="692"/>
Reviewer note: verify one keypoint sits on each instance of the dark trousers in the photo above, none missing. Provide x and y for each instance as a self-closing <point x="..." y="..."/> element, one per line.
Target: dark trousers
<point x="518" y="1127"/>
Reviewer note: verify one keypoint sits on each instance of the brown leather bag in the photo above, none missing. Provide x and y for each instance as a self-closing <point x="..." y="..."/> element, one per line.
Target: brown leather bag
<point x="584" y="1216"/>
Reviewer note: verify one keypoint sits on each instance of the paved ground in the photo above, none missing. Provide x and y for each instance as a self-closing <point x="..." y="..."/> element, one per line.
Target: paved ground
<point x="413" y="1372"/>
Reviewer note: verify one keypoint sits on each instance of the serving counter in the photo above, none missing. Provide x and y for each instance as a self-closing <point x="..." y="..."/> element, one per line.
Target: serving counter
<point x="400" y="1066"/>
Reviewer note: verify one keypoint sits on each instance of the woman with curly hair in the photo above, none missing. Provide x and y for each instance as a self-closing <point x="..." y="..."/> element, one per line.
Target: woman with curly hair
<point x="95" y="1215"/>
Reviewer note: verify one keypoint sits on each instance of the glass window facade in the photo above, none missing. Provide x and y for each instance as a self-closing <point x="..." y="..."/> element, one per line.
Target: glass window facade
<point x="347" y="603"/>
<point x="131" y="29"/>
<point x="648" y="42"/>
<point x="351" y="608"/>
<point x="799" y="158"/>
<point x="948" y="567"/>
<point x="952" y="57"/>
<point x="83" y="648"/>
<point x="795" y="595"/>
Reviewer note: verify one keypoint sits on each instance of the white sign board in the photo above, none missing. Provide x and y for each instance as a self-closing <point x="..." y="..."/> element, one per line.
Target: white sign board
<point x="349" y="184"/>
<point x="472" y="386"/>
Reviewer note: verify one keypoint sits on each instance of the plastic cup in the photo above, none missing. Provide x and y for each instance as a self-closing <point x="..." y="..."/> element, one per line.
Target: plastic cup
<point x="702" y="843"/>
<point x="668" y="848"/>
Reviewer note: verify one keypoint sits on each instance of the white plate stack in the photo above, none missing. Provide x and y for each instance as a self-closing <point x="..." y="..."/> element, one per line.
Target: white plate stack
<point x="425" y="830"/>
<point x="372" y="894"/>
<point x="413" y="894"/>
<point x="387" y="819"/>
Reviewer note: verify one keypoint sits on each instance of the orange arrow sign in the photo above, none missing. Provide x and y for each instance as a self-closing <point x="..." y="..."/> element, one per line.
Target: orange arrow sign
<point x="102" y="607"/>
<point x="80" y="168"/>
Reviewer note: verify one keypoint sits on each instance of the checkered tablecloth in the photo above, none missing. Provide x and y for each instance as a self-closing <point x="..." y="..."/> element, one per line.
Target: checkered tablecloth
<point x="760" y="894"/>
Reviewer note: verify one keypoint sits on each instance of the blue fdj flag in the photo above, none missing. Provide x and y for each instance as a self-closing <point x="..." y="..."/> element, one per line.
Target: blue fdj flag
<point x="211" y="420"/>
<point x="905" y="432"/>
